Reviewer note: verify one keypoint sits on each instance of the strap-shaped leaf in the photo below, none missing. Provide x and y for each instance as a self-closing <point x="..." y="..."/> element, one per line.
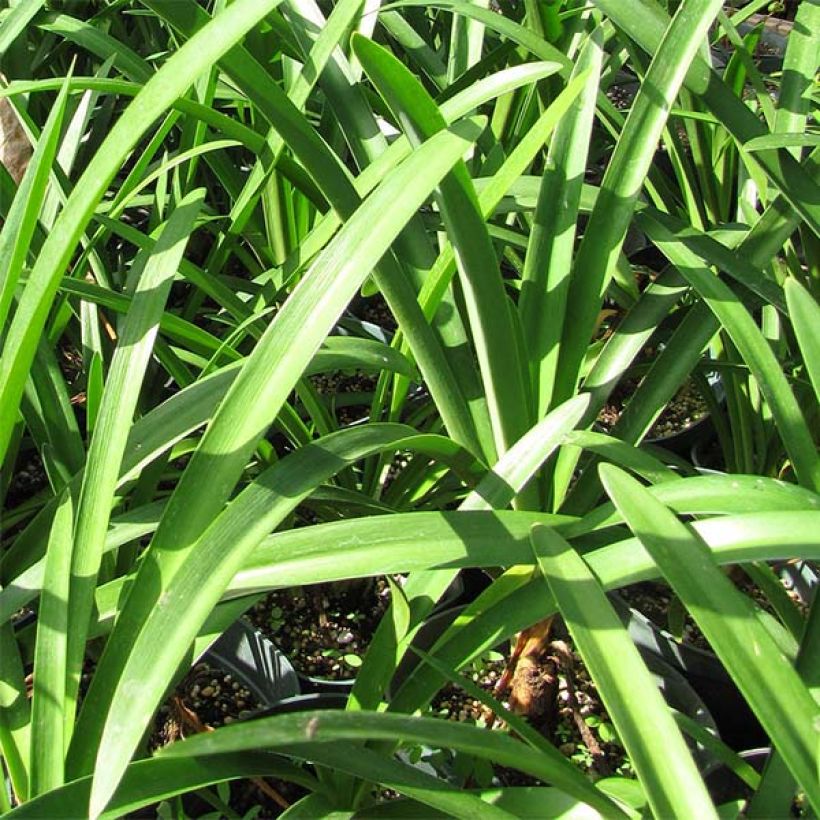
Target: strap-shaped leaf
<point x="18" y="228"/>
<point x="16" y="20"/>
<point x="150" y="781"/>
<point x="632" y="699"/>
<point x="805" y="315"/>
<point x="113" y="425"/>
<point x="165" y="86"/>
<point x="49" y="708"/>
<point x="253" y="400"/>
<point x="551" y="244"/>
<point x="761" y="671"/>
<point x="712" y="495"/>
<point x="310" y="730"/>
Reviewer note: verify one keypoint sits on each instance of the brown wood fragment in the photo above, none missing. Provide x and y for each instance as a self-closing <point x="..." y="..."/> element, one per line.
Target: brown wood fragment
<point x="189" y="721"/>
<point x="15" y="149"/>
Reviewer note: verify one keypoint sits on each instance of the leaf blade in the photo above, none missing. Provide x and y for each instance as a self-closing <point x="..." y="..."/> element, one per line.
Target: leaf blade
<point x="648" y="730"/>
<point x="761" y="671"/>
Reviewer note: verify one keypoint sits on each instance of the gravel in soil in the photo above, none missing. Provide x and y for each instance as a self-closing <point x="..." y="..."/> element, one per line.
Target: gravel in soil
<point x="621" y="95"/>
<point x="27" y="481"/>
<point x="324" y="629"/>
<point x="207" y="698"/>
<point x="374" y="310"/>
<point x="349" y="395"/>
<point x="684" y="410"/>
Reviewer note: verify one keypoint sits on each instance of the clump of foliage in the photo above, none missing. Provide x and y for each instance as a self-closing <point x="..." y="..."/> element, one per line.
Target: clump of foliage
<point x="218" y="197"/>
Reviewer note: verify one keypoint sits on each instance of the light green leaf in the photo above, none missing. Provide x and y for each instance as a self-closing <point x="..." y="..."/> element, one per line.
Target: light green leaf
<point x="310" y="730"/>
<point x="805" y="315"/>
<point x="252" y="402"/>
<point x="761" y="671"/>
<point x="117" y="407"/>
<point x="50" y="712"/>
<point x="626" y="687"/>
<point x="21" y="221"/>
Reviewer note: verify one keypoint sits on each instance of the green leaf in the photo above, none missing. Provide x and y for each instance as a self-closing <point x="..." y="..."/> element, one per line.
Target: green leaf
<point x="805" y="315"/>
<point x="16" y="20"/>
<point x="517" y="466"/>
<point x="21" y="220"/>
<point x="98" y="42"/>
<point x="94" y="392"/>
<point x="799" y="66"/>
<point x="310" y="730"/>
<point x="149" y="781"/>
<point x="165" y="86"/>
<point x="347" y="352"/>
<point x="117" y="406"/>
<point x="151" y="436"/>
<point x="15" y="714"/>
<point x="551" y="244"/>
<point x="769" y="142"/>
<point x="712" y="495"/>
<point x="50" y="713"/>
<point x="761" y="671"/>
<point x="626" y="687"/>
<point x="489" y="320"/>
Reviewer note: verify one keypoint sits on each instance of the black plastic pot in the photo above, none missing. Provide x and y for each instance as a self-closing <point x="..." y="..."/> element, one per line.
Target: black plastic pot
<point x="725" y="786"/>
<point x="28" y="618"/>
<point x="254" y="661"/>
<point x="802" y="578"/>
<point x="303" y="703"/>
<point x="682" y="441"/>
<point x="681" y="695"/>
<point x="736" y="723"/>
<point x="324" y="686"/>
